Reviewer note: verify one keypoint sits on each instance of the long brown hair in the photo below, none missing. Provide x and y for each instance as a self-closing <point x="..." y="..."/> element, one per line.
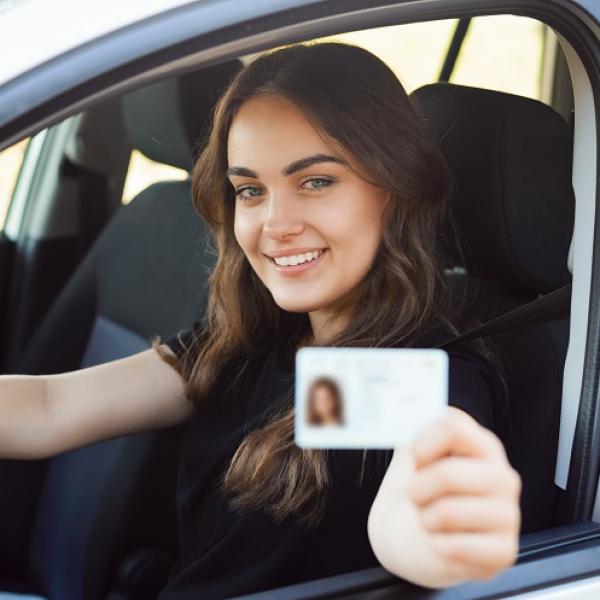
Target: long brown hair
<point x="358" y="104"/>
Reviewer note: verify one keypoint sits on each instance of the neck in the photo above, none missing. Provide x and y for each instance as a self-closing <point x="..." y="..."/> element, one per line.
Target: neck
<point x="324" y="327"/>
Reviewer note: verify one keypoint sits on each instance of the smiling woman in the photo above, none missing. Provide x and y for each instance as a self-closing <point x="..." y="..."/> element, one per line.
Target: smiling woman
<point x="326" y="197"/>
<point x="288" y="215"/>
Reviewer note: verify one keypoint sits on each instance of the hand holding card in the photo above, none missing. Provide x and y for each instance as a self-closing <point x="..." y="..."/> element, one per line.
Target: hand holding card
<point x="447" y="509"/>
<point x="367" y="397"/>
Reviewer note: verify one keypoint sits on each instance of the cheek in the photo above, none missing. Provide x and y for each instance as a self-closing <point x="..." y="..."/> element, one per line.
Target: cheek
<point x="245" y="231"/>
<point x="358" y="227"/>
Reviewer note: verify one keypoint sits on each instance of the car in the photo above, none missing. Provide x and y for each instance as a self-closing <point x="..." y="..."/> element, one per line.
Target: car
<point x="101" y="109"/>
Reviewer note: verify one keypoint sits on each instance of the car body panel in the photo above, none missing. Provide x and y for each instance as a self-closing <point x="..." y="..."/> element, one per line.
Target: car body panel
<point x="73" y="24"/>
<point x="145" y="41"/>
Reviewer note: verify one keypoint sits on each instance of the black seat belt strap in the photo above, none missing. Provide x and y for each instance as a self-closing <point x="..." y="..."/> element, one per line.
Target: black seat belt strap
<point x="549" y="307"/>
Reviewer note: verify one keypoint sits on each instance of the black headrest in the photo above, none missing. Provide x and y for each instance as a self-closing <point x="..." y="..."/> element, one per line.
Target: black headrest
<point x="513" y="202"/>
<point x="163" y="120"/>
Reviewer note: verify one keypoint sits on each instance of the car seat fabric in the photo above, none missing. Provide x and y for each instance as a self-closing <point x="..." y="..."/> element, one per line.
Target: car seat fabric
<point x="144" y="276"/>
<point x="514" y="202"/>
<point x="513" y="205"/>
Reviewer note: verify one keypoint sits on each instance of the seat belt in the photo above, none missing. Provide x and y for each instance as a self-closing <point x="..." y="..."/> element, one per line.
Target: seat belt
<point x="549" y="307"/>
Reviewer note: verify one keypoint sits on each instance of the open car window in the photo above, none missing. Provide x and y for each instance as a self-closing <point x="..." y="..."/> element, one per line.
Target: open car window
<point x="514" y="55"/>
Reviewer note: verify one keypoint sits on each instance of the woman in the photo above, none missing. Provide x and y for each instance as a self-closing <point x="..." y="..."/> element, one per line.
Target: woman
<point x="324" y="404"/>
<point x="325" y="195"/>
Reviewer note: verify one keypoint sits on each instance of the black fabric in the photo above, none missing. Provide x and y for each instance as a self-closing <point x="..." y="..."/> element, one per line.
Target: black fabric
<point x="147" y="271"/>
<point x="224" y="553"/>
<point x="533" y="357"/>
<point x="166" y="119"/>
<point x="513" y="205"/>
<point x="547" y="308"/>
<point x="511" y="160"/>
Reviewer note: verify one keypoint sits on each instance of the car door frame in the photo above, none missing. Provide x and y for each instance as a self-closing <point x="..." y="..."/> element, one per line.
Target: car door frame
<point x="182" y="38"/>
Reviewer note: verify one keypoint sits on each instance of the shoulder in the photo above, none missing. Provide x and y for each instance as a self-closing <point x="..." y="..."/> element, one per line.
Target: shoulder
<point x="475" y="382"/>
<point x="187" y="344"/>
<point x="187" y="340"/>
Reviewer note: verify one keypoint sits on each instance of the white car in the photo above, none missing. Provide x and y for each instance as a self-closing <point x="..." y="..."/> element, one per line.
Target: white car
<point x="95" y="259"/>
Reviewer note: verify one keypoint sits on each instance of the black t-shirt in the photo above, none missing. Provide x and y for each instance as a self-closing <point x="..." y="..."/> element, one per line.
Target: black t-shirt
<point x="225" y="553"/>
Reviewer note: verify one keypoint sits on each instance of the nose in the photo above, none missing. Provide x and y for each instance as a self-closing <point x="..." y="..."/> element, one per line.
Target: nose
<point x="282" y="220"/>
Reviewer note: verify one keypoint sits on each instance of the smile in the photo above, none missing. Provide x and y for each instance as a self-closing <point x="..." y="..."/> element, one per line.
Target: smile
<point x="297" y="263"/>
<point x="297" y="259"/>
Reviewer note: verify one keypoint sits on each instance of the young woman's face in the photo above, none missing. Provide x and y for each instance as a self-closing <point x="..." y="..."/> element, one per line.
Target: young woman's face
<point x="294" y="202"/>
<point x="324" y="403"/>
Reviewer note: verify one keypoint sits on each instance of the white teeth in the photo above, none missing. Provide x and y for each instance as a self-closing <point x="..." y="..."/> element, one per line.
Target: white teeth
<point x="297" y="259"/>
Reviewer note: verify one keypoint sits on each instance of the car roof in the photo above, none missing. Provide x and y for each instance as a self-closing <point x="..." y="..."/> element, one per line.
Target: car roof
<point x="61" y="25"/>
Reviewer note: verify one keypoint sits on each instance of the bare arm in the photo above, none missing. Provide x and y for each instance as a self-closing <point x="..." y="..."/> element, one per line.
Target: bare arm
<point x="44" y="415"/>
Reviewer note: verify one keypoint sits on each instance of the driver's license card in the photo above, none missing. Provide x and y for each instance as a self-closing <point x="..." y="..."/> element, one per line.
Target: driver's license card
<point x="367" y="397"/>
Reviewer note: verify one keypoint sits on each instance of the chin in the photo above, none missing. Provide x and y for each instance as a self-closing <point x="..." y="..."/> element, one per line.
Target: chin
<point x="297" y="305"/>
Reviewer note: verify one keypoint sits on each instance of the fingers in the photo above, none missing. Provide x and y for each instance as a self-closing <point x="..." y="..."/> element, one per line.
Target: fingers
<point x="465" y="494"/>
<point x="459" y="434"/>
<point x="471" y="514"/>
<point x="458" y="475"/>
<point x="478" y="556"/>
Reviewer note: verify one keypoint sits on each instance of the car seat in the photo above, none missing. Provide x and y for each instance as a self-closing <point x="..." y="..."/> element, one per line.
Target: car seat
<point x="513" y="205"/>
<point x="102" y="517"/>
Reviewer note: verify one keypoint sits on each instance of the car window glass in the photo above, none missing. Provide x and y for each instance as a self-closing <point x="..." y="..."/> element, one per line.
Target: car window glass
<point x="415" y="52"/>
<point x="11" y="160"/>
<point x="500" y="52"/>
<point x="143" y="172"/>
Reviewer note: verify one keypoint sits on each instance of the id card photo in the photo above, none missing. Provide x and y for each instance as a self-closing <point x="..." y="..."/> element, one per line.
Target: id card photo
<point x="367" y="397"/>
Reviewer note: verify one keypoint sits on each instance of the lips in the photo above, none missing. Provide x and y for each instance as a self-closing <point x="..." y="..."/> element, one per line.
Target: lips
<point x="298" y="269"/>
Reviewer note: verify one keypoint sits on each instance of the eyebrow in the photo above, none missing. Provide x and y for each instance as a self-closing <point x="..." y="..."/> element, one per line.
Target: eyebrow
<point x="297" y="165"/>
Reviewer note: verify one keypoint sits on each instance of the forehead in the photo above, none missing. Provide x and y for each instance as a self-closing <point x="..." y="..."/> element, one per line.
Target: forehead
<point x="271" y="132"/>
<point x="322" y="387"/>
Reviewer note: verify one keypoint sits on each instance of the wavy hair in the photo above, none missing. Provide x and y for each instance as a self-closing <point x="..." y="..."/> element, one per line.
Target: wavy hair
<point x="353" y="99"/>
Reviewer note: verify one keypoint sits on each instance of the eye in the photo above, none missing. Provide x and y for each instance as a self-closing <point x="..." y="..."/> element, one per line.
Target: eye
<point x="321" y="182"/>
<point x="239" y="193"/>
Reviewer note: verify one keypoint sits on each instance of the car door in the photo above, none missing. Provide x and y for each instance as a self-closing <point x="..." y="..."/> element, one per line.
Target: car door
<point x="561" y="559"/>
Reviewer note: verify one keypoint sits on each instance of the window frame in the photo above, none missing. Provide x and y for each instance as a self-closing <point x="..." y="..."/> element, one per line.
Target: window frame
<point x="203" y="32"/>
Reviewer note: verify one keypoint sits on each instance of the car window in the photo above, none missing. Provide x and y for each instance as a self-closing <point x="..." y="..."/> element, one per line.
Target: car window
<point x="11" y="160"/>
<point x="502" y="53"/>
<point x="143" y="172"/>
<point x="499" y="52"/>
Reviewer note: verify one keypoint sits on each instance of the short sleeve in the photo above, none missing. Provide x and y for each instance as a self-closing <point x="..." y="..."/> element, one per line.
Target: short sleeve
<point x="183" y="339"/>
<point x="474" y="388"/>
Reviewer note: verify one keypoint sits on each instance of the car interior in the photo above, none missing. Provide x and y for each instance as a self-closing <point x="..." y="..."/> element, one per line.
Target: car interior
<point x="105" y="277"/>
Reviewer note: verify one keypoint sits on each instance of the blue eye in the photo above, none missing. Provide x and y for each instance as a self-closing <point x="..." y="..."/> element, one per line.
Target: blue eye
<point x="239" y="192"/>
<point x="321" y="180"/>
